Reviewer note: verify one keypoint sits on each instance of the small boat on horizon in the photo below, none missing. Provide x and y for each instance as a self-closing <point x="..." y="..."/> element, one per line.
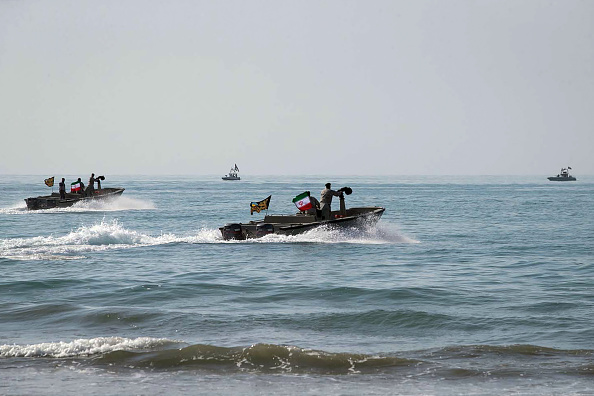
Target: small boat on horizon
<point x="233" y="174"/>
<point x="563" y="175"/>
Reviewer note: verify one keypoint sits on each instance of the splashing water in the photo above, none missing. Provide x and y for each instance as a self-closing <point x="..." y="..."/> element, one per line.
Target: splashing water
<point x="370" y="235"/>
<point x="96" y="237"/>
<point x="83" y="347"/>
<point x="112" y="234"/>
<point x="113" y="204"/>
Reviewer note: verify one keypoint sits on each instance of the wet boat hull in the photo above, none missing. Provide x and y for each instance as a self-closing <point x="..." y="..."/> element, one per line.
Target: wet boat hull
<point x="560" y="178"/>
<point x="54" y="201"/>
<point x="300" y="223"/>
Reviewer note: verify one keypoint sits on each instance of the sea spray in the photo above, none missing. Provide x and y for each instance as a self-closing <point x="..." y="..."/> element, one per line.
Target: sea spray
<point x="87" y="238"/>
<point x="83" y="347"/>
<point x="112" y="234"/>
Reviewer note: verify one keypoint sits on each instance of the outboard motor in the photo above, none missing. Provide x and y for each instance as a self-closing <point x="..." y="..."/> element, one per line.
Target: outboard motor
<point x="342" y="191"/>
<point x="264" y="229"/>
<point x="233" y="231"/>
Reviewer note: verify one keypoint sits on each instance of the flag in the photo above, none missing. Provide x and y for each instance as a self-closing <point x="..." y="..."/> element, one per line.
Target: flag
<point x="258" y="206"/>
<point x="76" y="186"/>
<point x="302" y="201"/>
<point x="49" y="182"/>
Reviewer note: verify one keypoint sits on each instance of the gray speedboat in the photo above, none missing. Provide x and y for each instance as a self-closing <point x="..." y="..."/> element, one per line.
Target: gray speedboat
<point x="54" y="200"/>
<point x="563" y="175"/>
<point x="303" y="221"/>
<point x="233" y="174"/>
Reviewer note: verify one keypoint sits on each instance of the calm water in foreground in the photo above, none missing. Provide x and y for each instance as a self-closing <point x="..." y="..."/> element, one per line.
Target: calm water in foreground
<point x="467" y="285"/>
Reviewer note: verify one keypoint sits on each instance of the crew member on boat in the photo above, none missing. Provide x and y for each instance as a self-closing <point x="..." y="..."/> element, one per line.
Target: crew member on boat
<point x="326" y="201"/>
<point x="82" y="187"/>
<point x="89" y="192"/>
<point x="62" y="188"/>
<point x="315" y="207"/>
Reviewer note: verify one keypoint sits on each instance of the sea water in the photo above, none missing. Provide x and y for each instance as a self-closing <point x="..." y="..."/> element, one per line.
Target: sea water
<point x="467" y="285"/>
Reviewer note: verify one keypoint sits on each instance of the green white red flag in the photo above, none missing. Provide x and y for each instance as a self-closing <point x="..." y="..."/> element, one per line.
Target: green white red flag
<point x="302" y="201"/>
<point x="76" y="186"/>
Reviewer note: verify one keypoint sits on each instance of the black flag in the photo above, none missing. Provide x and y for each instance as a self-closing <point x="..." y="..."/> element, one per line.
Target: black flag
<point x="261" y="205"/>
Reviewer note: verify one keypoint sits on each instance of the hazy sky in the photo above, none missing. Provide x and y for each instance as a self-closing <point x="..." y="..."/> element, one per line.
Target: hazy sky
<point x="296" y="87"/>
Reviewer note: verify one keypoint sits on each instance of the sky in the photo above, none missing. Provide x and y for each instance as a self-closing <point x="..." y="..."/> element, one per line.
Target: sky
<point x="278" y="87"/>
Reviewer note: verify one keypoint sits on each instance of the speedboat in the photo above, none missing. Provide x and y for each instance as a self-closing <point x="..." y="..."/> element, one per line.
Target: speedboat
<point x="233" y="174"/>
<point x="303" y="221"/>
<point x="54" y="200"/>
<point x="563" y="175"/>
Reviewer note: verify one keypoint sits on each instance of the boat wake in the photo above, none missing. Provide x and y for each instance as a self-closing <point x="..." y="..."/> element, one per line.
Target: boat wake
<point x="17" y="208"/>
<point x="109" y="235"/>
<point x="114" y="204"/>
<point x="94" y="238"/>
<point x="372" y="235"/>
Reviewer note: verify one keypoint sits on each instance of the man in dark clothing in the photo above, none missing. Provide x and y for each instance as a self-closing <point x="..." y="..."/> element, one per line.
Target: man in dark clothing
<point x="91" y="187"/>
<point x="82" y="187"/>
<point x="326" y="201"/>
<point x="62" y="189"/>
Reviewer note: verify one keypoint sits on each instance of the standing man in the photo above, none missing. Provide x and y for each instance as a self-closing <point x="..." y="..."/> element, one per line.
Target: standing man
<point x="91" y="187"/>
<point x="326" y="201"/>
<point x="81" y="185"/>
<point x="62" y="189"/>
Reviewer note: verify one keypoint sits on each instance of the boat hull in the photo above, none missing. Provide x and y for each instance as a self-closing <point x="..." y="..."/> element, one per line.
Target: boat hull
<point x="301" y="223"/>
<point x="560" y="178"/>
<point x="54" y="201"/>
<point x="231" y="178"/>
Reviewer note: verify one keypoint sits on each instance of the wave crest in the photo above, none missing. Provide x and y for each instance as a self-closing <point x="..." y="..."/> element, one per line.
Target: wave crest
<point x="450" y="362"/>
<point x="83" y="347"/>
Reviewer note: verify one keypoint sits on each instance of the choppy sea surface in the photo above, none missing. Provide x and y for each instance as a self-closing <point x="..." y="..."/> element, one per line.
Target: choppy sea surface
<point x="467" y="285"/>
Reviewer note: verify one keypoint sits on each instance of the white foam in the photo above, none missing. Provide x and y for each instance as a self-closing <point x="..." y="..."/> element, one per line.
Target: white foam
<point x="83" y="347"/>
<point x="107" y="235"/>
<point x="113" y="204"/>
<point x="101" y="236"/>
<point x="373" y="235"/>
<point x="17" y="208"/>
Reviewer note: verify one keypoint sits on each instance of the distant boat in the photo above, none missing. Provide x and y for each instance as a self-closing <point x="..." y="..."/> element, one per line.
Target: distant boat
<point x="233" y="174"/>
<point x="563" y="175"/>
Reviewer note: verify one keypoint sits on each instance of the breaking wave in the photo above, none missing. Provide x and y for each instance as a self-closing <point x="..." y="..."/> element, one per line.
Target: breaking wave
<point x="450" y="362"/>
<point x="83" y="347"/>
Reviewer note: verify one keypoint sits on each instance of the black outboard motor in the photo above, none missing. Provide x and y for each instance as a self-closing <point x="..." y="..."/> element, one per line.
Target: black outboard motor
<point x="264" y="229"/>
<point x="342" y="191"/>
<point x="233" y="231"/>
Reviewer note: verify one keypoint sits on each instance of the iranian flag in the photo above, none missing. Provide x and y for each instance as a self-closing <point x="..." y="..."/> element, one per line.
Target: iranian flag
<point x="75" y="187"/>
<point x="302" y="201"/>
